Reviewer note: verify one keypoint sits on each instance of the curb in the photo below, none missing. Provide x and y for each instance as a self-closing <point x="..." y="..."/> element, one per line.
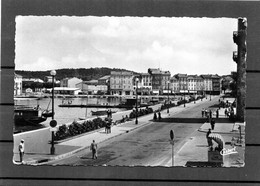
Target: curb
<point x="48" y="160"/>
<point x="231" y="132"/>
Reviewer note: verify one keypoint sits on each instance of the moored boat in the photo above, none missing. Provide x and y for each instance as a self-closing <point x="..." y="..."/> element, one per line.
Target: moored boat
<point x="100" y="112"/>
<point x="28" y="116"/>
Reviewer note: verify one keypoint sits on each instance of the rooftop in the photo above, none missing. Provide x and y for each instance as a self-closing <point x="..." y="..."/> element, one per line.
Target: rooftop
<point x="121" y="73"/>
<point x="104" y="77"/>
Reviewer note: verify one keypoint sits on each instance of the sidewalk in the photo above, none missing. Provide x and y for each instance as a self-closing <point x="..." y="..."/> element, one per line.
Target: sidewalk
<point x="37" y="147"/>
<point x="196" y="147"/>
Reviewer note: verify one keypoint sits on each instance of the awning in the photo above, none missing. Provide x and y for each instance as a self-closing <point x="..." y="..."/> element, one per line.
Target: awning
<point x="218" y="139"/>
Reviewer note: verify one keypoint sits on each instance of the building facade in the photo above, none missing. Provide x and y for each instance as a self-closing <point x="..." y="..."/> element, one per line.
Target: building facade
<point x="145" y="84"/>
<point x="207" y="83"/>
<point x="92" y="87"/>
<point x="70" y="82"/>
<point x="200" y="85"/>
<point x="174" y="85"/>
<point x="121" y="83"/>
<point x="183" y="82"/>
<point x="166" y="77"/>
<point x="216" y="85"/>
<point x="104" y="80"/>
<point x="160" y="80"/>
<point x="192" y="83"/>
<point x="156" y="77"/>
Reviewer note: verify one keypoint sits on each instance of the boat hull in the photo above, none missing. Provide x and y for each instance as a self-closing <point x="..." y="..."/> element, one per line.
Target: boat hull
<point x="32" y="121"/>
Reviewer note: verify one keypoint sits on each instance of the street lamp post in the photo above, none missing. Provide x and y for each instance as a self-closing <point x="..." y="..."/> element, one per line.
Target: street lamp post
<point x="210" y="95"/>
<point x="53" y="123"/>
<point x="168" y="98"/>
<point x="136" y="108"/>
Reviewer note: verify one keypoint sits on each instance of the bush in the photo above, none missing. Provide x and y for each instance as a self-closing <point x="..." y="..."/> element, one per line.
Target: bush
<point x="141" y="112"/>
<point x="165" y="106"/>
<point x="76" y="128"/>
<point x="182" y="102"/>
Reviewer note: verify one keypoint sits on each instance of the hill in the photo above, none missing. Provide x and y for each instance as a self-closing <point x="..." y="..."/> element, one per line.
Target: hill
<point x="82" y="73"/>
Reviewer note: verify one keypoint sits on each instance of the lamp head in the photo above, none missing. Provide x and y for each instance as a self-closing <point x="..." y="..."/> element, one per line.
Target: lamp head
<point x="53" y="73"/>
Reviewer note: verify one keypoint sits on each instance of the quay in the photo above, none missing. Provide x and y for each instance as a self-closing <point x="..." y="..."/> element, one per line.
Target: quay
<point x="37" y="151"/>
<point x="103" y="106"/>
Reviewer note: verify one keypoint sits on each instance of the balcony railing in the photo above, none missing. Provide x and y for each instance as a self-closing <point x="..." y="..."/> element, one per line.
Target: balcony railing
<point x="235" y="36"/>
<point x="235" y="58"/>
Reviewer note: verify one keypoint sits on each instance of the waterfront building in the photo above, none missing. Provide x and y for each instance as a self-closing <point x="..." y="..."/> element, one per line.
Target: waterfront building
<point x="195" y="84"/>
<point x="200" y="85"/>
<point x="183" y="82"/>
<point x="70" y="82"/>
<point x="33" y="80"/>
<point x="121" y="83"/>
<point x="174" y="85"/>
<point x="159" y="80"/>
<point x="145" y="84"/>
<point x="166" y="76"/>
<point x="92" y="87"/>
<point x="216" y="86"/>
<point x="18" y="80"/>
<point x="65" y="90"/>
<point x="48" y="79"/>
<point x="104" y="80"/>
<point x="35" y="84"/>
<point x="156" y="79"/>
<point x="192" y="83"/>
<point x="207" y="83"/>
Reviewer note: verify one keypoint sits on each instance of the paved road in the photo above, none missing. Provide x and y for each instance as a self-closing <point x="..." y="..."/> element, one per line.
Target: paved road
<point x="147" y="146"/>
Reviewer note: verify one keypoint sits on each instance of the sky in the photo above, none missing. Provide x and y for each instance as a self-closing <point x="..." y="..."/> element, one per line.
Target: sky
<point x="179" y="45"/>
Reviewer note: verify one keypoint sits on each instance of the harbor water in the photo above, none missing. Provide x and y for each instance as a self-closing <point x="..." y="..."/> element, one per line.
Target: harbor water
<point x="69" y="114"/>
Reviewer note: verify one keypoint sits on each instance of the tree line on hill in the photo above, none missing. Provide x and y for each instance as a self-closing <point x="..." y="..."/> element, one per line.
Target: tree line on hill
<point x="82" y="73"/>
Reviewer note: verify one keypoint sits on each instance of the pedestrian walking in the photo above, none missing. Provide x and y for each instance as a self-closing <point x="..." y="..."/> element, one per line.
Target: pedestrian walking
<point x="217" y="113"/>
<point x="110" y="111"/>
<point x="212" y="123"/>
<point x="202" y="112"/>
<point x="206" y="113"/>
<point x="21" y="150"/>
<point x="159" y="116"/>
<point x="226" y="114"/>
<point x="154" y="116"/>
<point x="210" y="114"/>
<point x="109" y="125"/>
<point x="107" y="113"/>
<point x="106" y="126"/>
<point x="93" y="148"/>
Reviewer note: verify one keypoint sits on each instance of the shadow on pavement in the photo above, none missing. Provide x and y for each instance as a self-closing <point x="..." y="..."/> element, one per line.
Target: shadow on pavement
<point x="182" y="120"/>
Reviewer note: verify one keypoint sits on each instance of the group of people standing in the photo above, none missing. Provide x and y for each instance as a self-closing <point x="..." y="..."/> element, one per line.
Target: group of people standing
<point x="155" y="116"/>
<point x="109" y="113"/>
<point x="229" y="112"/>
